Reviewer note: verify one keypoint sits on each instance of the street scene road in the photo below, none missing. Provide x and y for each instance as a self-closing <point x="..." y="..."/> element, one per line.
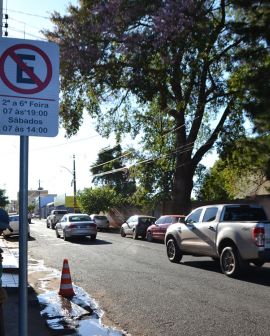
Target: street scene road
<point x="141" y="292"/>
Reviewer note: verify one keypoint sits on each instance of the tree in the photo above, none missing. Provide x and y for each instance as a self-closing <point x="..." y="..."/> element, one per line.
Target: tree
<point x="252" y="77"/>
<point x="178" y="56"/>
<point x="109" y="169"/>
<point x="3" y="198"/>
<point x="240" y="172"/>
<point x="95" y="200"/>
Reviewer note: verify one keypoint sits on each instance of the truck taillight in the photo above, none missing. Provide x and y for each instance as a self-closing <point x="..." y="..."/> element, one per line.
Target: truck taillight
<point x="258" y="236"/>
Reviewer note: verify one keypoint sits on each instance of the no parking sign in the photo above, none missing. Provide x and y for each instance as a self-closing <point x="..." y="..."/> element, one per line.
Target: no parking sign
<point x="29" y="87"/>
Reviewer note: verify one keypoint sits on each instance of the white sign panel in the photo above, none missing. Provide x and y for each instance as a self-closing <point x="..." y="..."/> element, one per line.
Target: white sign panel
<point x="29" y="87"/>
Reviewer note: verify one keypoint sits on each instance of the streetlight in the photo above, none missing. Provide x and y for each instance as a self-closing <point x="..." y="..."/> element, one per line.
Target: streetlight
<point x="73" y="182"/>
<point x="39" y="206"/>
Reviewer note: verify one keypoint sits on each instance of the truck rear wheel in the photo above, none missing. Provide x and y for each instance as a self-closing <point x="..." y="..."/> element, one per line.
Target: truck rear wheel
<point x="173" y="252"/>
<point x="231" y="262"/>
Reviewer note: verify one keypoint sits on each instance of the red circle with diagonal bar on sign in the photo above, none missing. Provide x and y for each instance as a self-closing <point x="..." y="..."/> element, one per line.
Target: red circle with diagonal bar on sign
<point x="40" y="85"/>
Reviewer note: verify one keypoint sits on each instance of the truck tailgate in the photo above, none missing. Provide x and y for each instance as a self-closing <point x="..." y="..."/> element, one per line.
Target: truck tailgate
<point x="267" y="235"/>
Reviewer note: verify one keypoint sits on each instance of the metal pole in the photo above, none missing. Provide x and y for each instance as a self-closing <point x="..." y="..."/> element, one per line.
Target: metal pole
<point x="39" y="206"/>
<point x="74" y="184"/>
<point x="23" y="229"/>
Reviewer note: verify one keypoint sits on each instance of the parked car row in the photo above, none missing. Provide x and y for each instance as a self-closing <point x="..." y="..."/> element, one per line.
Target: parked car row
<point x="148" y="227"/>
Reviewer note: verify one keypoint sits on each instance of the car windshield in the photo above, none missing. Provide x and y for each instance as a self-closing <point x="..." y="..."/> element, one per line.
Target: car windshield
<point x="79" y="218"/>
<point x="147" y="220"/>
<point x="100" y="217"/>
<point x="60" y="212"/>
<point x="244" y="213"/>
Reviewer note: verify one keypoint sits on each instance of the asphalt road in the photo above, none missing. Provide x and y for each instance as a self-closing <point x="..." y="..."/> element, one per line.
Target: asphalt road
<point x="143" y="293"/>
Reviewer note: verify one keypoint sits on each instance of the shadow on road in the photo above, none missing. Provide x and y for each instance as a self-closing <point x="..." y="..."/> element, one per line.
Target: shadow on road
<point x="256" y="275"/>
<point x="88" y="241"/>
<point x="16" y="238"/>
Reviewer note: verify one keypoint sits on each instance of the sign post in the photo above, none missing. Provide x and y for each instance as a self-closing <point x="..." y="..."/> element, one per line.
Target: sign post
<point x="29" y="106"/>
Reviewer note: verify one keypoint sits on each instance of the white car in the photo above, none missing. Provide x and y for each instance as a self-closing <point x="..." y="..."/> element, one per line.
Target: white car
<point x="101" y="221"/>
<point x="76" y="225"/>
<point x="14" y="224"/>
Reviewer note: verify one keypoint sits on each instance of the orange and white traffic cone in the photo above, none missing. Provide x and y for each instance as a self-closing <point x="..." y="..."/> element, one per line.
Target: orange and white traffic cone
<point x="66" y="288"/>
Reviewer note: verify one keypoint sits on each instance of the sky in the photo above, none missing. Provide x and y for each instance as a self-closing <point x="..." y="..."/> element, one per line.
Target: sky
<point x="50" y="158"/>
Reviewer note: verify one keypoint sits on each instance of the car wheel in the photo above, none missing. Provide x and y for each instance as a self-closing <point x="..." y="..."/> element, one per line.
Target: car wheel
<point x="57" y="233"/>
<point x="258" y="263"/>
<point x="93" y="237"/>
<point x="122" y="233"/>
<point x="149" y="236"/>
<point x="135" y="234"/>
<point x="173" y="252"/>
<point x="65" y="237"/>
<point x="231" y="262"/>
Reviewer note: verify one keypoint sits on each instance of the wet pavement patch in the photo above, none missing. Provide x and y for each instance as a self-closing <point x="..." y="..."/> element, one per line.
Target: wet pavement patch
<point x="79" y="315"/>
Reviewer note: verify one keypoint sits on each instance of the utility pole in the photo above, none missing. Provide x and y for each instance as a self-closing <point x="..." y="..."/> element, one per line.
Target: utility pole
<point x="39" y="203"/>
<point x="74" y="184"/>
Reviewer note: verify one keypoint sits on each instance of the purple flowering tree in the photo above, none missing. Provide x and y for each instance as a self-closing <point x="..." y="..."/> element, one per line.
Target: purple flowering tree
<point x="159" y="68"/>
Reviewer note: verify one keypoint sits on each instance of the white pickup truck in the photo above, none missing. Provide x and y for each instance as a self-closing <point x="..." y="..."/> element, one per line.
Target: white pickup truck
<point x="234" y="234"/>
<point x="55" y="217"/>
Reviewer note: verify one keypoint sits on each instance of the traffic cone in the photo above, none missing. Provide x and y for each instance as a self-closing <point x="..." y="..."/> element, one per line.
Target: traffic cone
<point x="66" y="288"/>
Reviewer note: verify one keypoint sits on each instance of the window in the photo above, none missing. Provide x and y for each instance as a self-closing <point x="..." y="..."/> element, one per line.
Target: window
<point x="79" y="218"/>
<point x="130" y="219"/>
<point x="195" y="216"/>
<point x="160" y="220"/>
<point x="168" y="220"/>
<point x="210" y="214"/>
<point x="244" y="213"/>
<point x="60" y="212"/>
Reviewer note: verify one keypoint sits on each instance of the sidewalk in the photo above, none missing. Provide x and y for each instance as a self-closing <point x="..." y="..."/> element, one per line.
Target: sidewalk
<point x="10" y="281"/>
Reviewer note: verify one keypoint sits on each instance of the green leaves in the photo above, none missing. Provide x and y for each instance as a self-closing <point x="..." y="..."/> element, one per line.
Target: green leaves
<point x="96" y="200"/>
<point x="3" y="198"/>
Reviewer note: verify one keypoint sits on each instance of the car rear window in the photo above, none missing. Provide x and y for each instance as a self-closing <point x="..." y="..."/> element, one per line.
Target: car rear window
<point x="100" y="217"/>
<point x="79" y="218"/>
<point x="244" y="213"/>
<point x="147" y="220"/>
<point x="60" y="212"/>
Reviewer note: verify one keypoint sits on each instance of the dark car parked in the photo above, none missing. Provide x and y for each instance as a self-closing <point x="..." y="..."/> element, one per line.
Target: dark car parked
<point x="158" y="230"/>
<point x="136" y="226"/>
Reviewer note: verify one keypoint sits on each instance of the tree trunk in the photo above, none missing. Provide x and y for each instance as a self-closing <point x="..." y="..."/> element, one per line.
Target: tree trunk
<point x="182" y="188"/>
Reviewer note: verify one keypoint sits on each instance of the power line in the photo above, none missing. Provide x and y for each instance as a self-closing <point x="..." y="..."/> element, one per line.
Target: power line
<point x="29" y="14"/>
<point x="25" y="33"/>
<point x="185" y="148"/>
<point x="24" y="23"/>
<point x="117" y="158"/>
<point x="64" y="143"/>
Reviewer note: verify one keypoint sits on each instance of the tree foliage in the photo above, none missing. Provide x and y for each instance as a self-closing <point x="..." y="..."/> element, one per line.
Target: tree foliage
<point x="3" y="198"/>
<point x="110" y="169"/>
<point x="251" y="80"/>
<point x="123" y="59"/>
<point x="96" y="200"/>
<point x="240" y="172"/>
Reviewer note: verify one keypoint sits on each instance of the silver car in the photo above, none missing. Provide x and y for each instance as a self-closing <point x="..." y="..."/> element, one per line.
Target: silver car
<point x="101" y="221"/>
<point x="76" y="225"/>
<point x="14" y="224"/>
<point x="136" y="226"/>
